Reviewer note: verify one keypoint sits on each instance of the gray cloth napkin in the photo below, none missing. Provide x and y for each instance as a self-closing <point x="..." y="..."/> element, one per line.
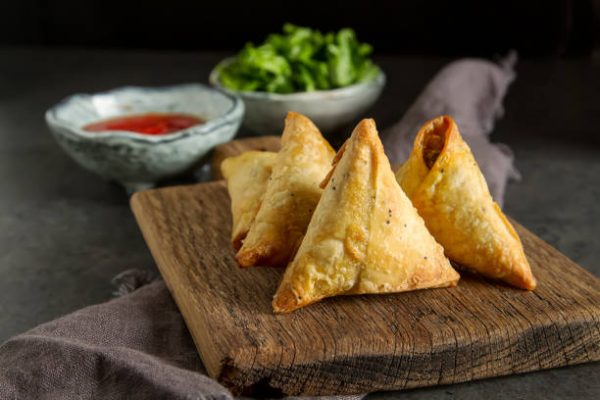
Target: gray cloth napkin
<point x="137" y="346"/>
<point x="134" y="347"/>
<point x="470" y="91"/>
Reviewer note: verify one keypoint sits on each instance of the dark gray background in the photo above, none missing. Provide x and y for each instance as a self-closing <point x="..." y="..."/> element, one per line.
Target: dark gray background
<point x="64" y="232"/>
<point x="540" y="28"/>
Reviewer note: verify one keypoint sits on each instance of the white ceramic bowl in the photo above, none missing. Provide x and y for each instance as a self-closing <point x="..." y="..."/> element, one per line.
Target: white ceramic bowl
<point x="138" y="161"/>
<point x="329" y="109"/>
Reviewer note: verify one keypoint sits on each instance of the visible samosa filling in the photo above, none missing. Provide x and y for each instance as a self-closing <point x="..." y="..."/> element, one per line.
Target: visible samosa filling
<point x="433" y="142"/>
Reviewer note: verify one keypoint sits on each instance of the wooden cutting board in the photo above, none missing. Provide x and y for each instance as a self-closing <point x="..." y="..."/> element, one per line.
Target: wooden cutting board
<point x="355" y="344"/>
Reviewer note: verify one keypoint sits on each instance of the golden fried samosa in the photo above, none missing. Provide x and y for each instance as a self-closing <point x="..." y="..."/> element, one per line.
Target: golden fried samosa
<point x="291" y="195"/>
<point x="246" y="175"/>
<point x="444" y="182"/>
<point x="365" y="236"/>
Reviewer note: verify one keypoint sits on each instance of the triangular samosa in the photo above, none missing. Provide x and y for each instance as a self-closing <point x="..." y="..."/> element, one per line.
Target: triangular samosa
<point x="444" y="182"/>
<point x="247" y="175"/>
<point x="365" y="235"/>
<point x="291" y="195"/>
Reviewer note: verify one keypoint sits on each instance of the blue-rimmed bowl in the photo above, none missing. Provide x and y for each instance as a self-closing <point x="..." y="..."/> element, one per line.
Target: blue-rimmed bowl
<point x="329" y="109"/>
<point x="135" y="160"/>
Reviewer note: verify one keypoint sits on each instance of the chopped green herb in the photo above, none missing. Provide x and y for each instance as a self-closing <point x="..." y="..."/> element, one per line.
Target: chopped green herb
<point x="300" y="60"/>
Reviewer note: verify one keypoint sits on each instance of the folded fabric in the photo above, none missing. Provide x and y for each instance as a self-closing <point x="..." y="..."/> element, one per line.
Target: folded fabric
<point x="134" y="347"/>
<point x="470" y="91"/>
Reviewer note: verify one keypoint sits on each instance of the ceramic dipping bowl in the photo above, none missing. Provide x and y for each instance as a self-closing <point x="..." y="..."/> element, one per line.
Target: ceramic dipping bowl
<point x="137" y="161"/>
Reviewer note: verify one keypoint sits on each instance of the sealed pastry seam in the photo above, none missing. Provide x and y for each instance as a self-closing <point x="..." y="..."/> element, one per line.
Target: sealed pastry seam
<point x="444" y="182"/>
<point x="246" y="175"/>
<point x="290" y="197"/>
<point x="365" y="236"/>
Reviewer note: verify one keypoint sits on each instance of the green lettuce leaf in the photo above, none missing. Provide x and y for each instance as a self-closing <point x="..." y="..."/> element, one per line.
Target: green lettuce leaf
<point x="300" y="59"/>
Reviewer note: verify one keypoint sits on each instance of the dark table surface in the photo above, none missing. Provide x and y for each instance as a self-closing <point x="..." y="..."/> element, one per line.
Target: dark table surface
<point x="64" y="232"/>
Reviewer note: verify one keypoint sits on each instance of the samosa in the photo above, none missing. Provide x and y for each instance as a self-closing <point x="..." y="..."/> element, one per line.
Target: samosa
<point x="444" y="182"/>
<point x="365" y="236"/>
<point x="291" y="195"/>
<point x="246" y="175"/>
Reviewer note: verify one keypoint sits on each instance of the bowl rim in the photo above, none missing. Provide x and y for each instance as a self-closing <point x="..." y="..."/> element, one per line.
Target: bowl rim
<point x="345" y="91"/>
<point x="237" y="107"/>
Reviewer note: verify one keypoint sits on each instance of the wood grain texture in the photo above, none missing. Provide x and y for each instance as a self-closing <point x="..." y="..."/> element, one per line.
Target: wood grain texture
<point x="354" y="344"/>
<point x="235" y="147"/>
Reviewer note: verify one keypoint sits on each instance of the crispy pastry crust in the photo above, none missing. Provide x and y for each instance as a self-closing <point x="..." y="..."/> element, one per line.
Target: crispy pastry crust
<point x="365" y="236"/>
<point x="446" y="186"/>
<point x="291" y="195"/>
<point x="247" y="176"/>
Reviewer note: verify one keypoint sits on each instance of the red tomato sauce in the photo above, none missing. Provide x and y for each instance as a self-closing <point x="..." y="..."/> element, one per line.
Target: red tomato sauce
<point x="147" y="124"/>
